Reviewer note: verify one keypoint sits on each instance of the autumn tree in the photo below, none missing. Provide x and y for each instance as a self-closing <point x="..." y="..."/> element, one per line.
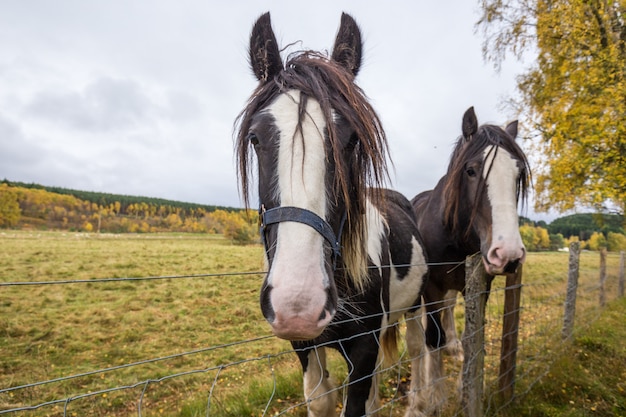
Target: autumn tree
<point x="597" y="241"/>
<point x="535" y="238"/>
<point x="616" y="241"/>
<point x="9" y="207"/>
<point x="573" y="95"/>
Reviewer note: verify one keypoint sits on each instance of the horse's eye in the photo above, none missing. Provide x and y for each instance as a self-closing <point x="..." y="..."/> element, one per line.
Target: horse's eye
<point x="470" y="171"/>
<point x="252" y="138"/>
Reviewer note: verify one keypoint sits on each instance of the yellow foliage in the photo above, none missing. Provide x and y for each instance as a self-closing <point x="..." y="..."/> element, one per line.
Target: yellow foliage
<point x="237" y="227"/>
<point x="596" y="241"/>
<point x="616" y="242"/>
<point x="573" y="97"/>
<point x="174" y="221"/>
<point x="535" y="238"/>
<point x="10" y="211"/>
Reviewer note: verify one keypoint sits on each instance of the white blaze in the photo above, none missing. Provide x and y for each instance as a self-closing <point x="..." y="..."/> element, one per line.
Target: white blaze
<point x="506" y="243"/>
<point x="298" y="276"/>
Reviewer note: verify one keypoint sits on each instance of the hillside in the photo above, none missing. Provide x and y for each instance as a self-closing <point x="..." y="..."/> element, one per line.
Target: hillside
<point x="105" y="199"/>
<point x="32" y="206"/>
<point x="586" y="224"/>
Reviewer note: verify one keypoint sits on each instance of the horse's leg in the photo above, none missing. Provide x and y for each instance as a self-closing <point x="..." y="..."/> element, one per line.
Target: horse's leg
<point x="416" y="347"/>
<point x="362" y="358"/>
<point x="319" y="391"/>
<point x="373" y="400"/>
<point x="432" y="376"/>
<point x="453" y="347"/>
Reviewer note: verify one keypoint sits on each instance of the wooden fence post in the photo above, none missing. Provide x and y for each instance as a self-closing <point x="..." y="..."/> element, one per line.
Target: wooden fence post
<point x="510" y="331"/>
<point x="474" y="337"/>
<point x="572" y="284"/>
<point x="602" y="277"/>
<point x="620" y="289"/>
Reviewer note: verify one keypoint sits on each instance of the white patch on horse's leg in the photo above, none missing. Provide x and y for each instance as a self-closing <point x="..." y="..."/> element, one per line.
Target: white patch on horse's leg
<point x="459" y="381"/>
<point x="453" y="346"/>
<point x="416" y="347"/>
<point x="373" y="400"/>
<point x="319" y="391"/>
<point x="427" y="391"/>
<point x="436" y="384"/>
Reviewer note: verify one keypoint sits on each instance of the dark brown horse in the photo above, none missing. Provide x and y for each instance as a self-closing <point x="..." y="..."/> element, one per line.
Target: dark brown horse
<point x="473" y="209"/>
<point x="344" y="258"/>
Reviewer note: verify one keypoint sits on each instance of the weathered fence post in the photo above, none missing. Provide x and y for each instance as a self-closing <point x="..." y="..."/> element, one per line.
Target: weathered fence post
<point x="510" y="330"/>
<point x="572" y="284"/>
<point x="474" y="337"/>
<point x="602" y="277"/>
<point x="620" y="289"/>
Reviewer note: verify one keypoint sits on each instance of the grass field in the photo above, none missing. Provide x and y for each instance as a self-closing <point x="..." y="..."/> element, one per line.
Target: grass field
<point x="203" y="294"/>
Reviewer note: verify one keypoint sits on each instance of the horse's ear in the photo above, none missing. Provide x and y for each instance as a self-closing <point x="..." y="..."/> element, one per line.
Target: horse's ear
<point x="511" y="129"/>
<point x="348" y="45"/>
<point x="470" y="124"/>
<point x="264" y="53"/>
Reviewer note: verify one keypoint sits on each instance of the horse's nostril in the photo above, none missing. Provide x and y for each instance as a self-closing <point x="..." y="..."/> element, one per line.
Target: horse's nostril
<point x="266" y="305"/>
<point x="494" y="256"/>
<point x="322" y="315"/>
<point x="511" y="267"/>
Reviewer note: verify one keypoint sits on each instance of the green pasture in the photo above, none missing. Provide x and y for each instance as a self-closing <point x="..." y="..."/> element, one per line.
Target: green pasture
<point x="201" y="342"/>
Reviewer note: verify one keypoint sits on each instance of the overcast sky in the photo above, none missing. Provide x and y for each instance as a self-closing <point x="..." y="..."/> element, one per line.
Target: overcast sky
<point x="139" y="97"/>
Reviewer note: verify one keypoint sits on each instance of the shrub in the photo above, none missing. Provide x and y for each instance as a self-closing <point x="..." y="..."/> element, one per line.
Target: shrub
<point x="616" y="242"/>
<point x="596" y="241"/>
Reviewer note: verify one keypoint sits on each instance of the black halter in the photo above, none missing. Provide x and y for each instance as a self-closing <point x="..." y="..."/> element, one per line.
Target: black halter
<point x="304" y="216"/>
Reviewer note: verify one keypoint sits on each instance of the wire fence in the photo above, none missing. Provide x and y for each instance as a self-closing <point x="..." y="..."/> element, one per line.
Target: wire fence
<point x="260" y="375"/>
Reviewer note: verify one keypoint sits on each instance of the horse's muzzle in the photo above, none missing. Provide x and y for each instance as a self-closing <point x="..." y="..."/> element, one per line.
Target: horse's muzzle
<point x="297" y="320"/>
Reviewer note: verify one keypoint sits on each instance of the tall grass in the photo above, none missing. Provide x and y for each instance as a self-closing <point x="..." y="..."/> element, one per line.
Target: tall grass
<point x="53" y="331"/>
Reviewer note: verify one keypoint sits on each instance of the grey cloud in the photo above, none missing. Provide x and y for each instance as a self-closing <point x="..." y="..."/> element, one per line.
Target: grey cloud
<point x="182" y="106"/>
<point x="109" y="105"/>
<point x="104" y="105"/>
<point x="12" y="155"/>
<point x="30" y="159"/>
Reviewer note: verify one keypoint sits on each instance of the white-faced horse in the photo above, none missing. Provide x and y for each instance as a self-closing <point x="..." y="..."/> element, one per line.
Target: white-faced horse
<point x="344" y="256"/>
<point x="473" y="209"/>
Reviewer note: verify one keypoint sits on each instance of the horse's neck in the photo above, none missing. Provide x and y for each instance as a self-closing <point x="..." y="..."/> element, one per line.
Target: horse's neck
<point x="438" y="234"/>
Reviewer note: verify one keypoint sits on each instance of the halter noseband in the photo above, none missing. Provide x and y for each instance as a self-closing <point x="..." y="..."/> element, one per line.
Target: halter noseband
<point x="304" y="216"/>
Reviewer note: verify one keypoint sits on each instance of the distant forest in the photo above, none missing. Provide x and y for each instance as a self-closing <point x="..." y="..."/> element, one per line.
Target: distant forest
<point x="582" y="225"/>
<point x="34" y="206"/>
<point x="106" y="199"/>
